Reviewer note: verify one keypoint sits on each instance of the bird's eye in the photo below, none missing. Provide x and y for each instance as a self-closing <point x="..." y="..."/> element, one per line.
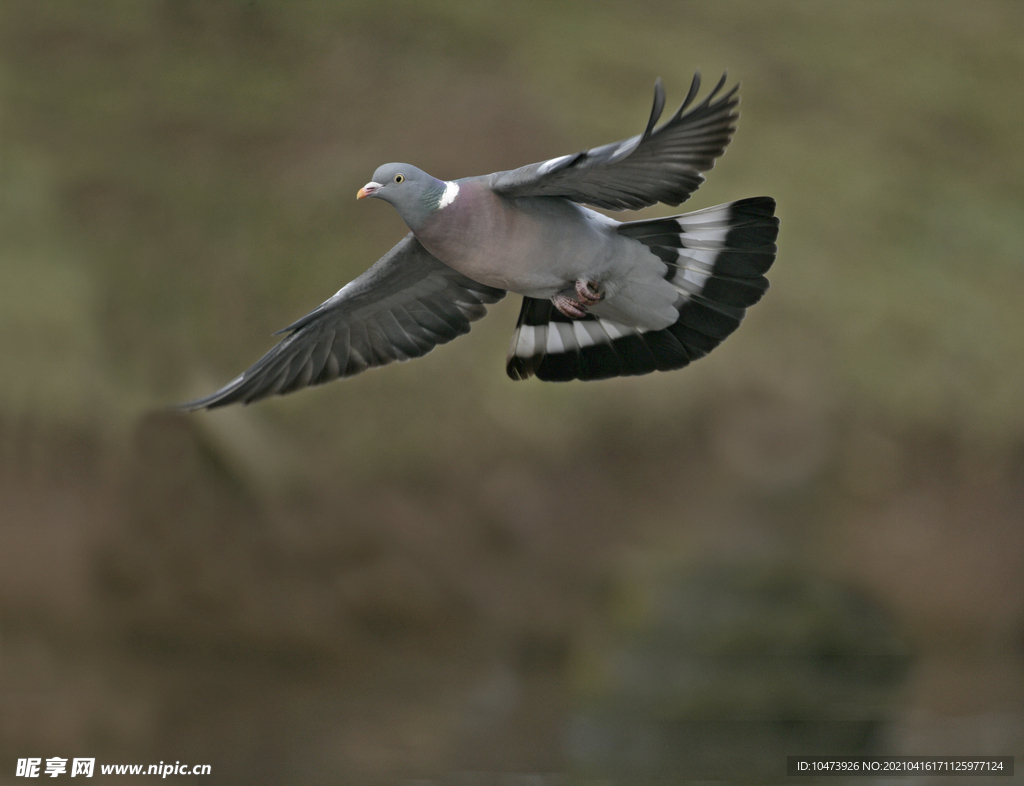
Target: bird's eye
<point x="399" y="178"/>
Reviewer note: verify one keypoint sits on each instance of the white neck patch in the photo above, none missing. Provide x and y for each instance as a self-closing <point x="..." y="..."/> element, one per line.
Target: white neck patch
<point x="451" y="190"/>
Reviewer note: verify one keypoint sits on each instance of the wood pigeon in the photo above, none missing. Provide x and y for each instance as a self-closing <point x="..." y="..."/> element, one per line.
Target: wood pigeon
<point x="601" y="298"/>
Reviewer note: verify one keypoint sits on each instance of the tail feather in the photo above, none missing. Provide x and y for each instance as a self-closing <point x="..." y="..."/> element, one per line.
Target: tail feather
<point x="716" y="260"/>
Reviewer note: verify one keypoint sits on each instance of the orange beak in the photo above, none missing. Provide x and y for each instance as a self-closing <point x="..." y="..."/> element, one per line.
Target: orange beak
<point x="368" y="190"/>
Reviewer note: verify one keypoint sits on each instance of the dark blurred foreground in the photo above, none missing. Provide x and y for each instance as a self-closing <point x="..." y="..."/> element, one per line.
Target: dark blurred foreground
<point x="810" y="542"/>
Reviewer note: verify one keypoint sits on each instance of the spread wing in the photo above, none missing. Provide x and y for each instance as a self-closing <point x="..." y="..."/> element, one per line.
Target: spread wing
<point x="401" y="308"/>
<point x="660" y="165"/>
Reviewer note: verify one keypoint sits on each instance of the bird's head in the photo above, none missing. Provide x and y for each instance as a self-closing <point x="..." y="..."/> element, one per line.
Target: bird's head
<point x="411" y="191"/>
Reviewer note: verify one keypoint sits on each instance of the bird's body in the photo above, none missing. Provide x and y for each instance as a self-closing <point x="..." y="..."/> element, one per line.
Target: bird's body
<point x="601" y="298"/>
<point x="479" y="235"/>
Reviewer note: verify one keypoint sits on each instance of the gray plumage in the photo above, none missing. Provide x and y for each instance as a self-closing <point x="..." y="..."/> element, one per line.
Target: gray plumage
<point x="601" y="298"/>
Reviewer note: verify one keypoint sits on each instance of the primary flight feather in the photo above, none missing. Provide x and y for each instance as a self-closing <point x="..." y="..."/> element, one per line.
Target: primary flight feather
<point x="601" y="298"/>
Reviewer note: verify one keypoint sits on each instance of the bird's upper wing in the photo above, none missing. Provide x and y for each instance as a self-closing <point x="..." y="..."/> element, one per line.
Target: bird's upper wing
<point x="660" y="165"/>
<point x="400" y="308"/>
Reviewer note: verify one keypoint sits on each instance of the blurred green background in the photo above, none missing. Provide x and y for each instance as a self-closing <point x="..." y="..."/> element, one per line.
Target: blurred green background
<point x="810" y="542"/>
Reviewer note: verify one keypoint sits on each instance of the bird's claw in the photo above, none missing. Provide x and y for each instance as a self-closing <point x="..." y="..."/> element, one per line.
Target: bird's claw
<point x="569" y="306"/>
<point x="587" y="294"/>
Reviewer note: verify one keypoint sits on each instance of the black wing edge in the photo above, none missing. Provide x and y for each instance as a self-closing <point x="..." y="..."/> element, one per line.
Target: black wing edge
<point x="705" y="319"/>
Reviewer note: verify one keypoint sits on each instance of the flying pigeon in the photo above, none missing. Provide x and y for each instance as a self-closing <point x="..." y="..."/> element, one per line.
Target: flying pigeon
<point x="601" y="298"/>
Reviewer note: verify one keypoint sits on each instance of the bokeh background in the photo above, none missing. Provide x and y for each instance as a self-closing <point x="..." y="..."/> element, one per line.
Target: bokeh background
<point x="811" y="541"/>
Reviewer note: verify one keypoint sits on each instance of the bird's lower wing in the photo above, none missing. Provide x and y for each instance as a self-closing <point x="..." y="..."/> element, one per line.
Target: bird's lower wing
<point x="402" y="307"/>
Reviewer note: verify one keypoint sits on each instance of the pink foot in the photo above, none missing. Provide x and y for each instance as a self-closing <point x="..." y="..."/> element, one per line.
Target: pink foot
<point x="588" y="293"/>
<point x="569" y="306"/>
<point x="576" y="307"/>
